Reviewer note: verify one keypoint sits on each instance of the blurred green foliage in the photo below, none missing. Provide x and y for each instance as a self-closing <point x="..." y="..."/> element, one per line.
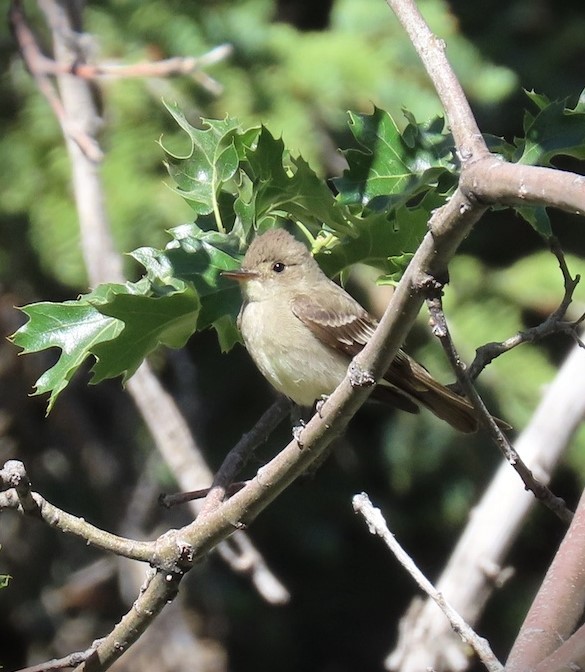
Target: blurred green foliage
<point x="299" y="84"/>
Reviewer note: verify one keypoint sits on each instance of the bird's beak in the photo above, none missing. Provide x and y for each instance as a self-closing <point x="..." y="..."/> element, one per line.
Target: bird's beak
<point x="240" y="274"/>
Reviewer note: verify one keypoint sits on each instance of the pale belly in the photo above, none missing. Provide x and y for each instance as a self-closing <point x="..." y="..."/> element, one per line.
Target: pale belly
<point x="293" y="361"/>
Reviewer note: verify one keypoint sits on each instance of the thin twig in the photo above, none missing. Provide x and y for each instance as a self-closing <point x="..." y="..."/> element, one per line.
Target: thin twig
<point x="554" y="323"/>
<point x="241" y="453"/>
<point x="34" y="59"/>
<point x="18" y="495"/>
<point x="41" y="65"/>
<point x="541" y="491"/>
<point x="377" y="525"/>
<point x="72" y="660"/>
<point x="177" y="498"/>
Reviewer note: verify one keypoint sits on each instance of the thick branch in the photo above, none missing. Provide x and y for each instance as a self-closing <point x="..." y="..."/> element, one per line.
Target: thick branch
<point x="431" y="51"/>
<point x="558" y="606"/>
<point x="492" y="181"/>
<point x="160" y="589"/>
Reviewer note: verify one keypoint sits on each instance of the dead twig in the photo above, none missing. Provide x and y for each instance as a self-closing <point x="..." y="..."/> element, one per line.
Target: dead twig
<point x="554" y="323"/>
<point x="541" y="491"/>
<point x="377" y="525"/>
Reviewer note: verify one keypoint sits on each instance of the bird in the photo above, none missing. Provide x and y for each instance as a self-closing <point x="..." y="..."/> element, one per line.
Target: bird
<point x="302" y="331"/>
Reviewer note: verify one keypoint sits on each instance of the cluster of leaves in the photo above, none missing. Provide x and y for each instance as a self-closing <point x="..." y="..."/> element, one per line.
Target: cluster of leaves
<point x="240" y="181"/>
<point x="298" y="83"/>
<point x="551" y="130"/>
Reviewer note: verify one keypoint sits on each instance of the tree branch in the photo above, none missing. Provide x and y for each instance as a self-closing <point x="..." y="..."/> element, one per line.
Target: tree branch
<point x="431" y="51"/>
<point x="540" y="490"/>
<point x="554" y="323"/>
<point x="558" y="605"/>
<point x="377" y="525"/>
<point x="475" y="568"/>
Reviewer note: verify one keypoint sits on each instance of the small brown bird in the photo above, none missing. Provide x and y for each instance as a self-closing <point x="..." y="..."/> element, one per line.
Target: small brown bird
<point x="302" y="330"/>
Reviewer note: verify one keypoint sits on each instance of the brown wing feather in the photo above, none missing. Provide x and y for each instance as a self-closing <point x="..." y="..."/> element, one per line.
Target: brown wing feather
<point x="347" y="327"/>
<point x="343" y="325"/>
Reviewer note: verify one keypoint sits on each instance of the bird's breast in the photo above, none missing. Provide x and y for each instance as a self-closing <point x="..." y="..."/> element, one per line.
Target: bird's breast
<point x="287" y="353"/>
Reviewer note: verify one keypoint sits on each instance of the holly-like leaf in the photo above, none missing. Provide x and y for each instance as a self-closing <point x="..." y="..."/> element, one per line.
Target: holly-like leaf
<point x="148" y="323"/>
<point x="197" y="258"/>
<point x="538" y="219"/>
<point x="216" y="151"/>
<point x="76" y="327"/>
<point x="288" y="187"/>
<point x="384" y="242"/>
<point x="117" y="324"/>
<point x="551" y="131"/>
<point x="389" y="163"/>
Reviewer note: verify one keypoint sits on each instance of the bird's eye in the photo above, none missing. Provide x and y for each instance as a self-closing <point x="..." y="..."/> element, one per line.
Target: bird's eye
<point x="278" y="267"/>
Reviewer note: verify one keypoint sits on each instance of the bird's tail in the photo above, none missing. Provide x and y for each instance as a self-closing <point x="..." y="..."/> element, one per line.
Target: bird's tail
<point x="412" y="380"/>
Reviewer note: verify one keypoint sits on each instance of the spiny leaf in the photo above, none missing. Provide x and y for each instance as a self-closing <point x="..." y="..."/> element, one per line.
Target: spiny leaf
<point x="552" y="131"/>
<point x="148" y="322"/>
<point x="75" y="327"/>
<point x="287" y="186"/>
<point x="197" y="258"/>
<point x="390" y="163"/>
<point x="214" y="159"/>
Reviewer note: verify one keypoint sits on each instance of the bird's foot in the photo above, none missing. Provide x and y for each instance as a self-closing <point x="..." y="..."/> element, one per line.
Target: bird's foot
<point x="320" y="403"/>
<point x="359" y="377"/>
<point x="297" y="430"/>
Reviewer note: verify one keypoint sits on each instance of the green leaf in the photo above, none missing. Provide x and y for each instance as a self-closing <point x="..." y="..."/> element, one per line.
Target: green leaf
<point x="288" y="187"/>
<point x="551" y="131"/>
<point x="148" y="322"/>
<point x="213" y="161"/>
<point x="76" y="327"/>
<point x="390" y="163"/>
<point x="4" y="580"/>
<point x="538" y="219"/>
<point x="197" y="258"/>
<point x="118" y="325"/>
<point x="386" y="242"/>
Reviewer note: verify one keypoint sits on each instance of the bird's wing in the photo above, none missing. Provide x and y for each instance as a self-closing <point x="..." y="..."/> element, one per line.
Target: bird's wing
<point x="342" y="325"/>
<point x="345" y="326"/>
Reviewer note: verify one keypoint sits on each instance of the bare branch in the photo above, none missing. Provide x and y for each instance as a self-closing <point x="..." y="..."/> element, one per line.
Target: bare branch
<point x="569" y="656"/>
<point x="431" y="51"/>
<point x="378" y="525"/>
<point x="558" y="605"/>
<point x="239" y="455"/>
<point x="494" y="181"/>
<point x="41" y="66"/>
<point x="72" y="660"/>
<point x="541" y="491"/>
<point x="13" y="475"/>
<point x="34" y="61"/>
<point x="160" y="588"/>
<point x="554" y="323"/>
<point x="475" y="568"/>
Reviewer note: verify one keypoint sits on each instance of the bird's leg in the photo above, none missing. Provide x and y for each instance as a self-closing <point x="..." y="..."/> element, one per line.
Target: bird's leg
<point x="320" y="403"/>
<point x="299" y="416"/>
